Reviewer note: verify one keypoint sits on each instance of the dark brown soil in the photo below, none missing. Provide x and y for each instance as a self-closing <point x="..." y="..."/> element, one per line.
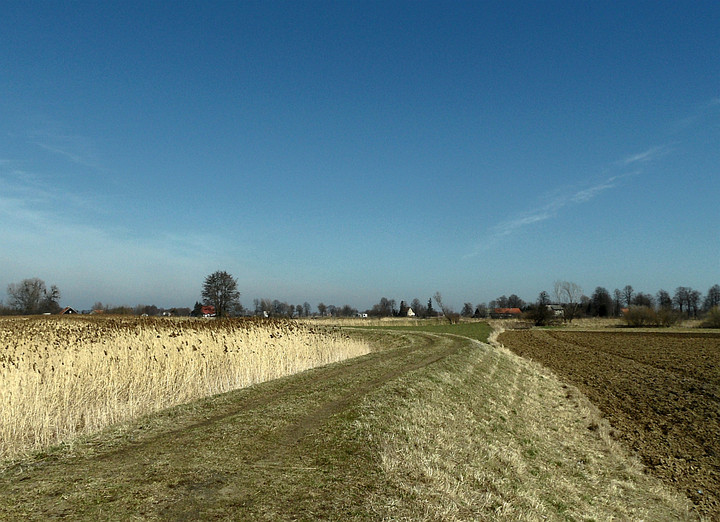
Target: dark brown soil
<point x="659" y="390"/>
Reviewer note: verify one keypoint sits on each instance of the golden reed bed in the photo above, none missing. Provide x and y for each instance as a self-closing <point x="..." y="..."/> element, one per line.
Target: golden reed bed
<point x="61" y="377"/>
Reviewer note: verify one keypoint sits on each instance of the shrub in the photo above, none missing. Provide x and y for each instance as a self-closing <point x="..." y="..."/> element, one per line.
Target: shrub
<point x="667" y="317"/>
<point x="452" y="317"/>
<point x="541" y="315"/>
<point x="713" y="318"/>
<point x="637" y="316"/>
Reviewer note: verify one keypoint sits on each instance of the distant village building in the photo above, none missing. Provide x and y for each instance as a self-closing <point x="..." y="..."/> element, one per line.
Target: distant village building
<point x="405" y="310"/>
<point x="68" y="311"/>
<point x="505" y="313"/>
<point x="480" y="312"/>
<point x="557" y="310"/>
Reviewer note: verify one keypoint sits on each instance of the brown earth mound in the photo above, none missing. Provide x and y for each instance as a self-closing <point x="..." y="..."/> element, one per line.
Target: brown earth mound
<point x="659" y="390"/>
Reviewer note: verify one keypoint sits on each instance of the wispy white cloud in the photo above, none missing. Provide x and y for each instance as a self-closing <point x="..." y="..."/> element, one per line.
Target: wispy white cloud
<point x="700" y="114"/>
<point x="646" y="156"/>
<point x="564" y="197"/>
<point x="75" y="158"/>
<point x="78" y="149"/>
<point x="508" y="227"/>
<point x="36" y="192"/>
<point x="83" y="158"/>
<point x="550" y="209"/>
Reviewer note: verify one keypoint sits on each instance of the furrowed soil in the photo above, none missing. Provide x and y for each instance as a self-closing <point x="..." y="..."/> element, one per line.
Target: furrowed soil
<point x="659" y="390"/>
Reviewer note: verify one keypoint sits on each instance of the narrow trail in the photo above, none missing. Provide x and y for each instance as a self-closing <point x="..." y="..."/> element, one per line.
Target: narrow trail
<point x="265" y="452"/>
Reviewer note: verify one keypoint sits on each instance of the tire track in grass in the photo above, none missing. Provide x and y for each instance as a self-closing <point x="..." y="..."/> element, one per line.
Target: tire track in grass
<point x="249" y="451"/>
<point x="311" y="422"/>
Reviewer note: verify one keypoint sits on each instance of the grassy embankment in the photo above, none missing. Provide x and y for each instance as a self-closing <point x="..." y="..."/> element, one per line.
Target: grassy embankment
<point x="429" y="426"/>
<point x="489" y="435"/>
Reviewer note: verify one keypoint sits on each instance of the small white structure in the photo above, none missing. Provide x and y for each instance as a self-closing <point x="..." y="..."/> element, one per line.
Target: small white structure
<point x="557" y="310"/>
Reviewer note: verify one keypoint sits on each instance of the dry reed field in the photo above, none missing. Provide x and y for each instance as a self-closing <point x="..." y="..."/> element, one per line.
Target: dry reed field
<point x="62" y="377"/>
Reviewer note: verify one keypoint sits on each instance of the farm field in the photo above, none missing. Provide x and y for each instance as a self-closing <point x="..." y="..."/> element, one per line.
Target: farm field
<point x="660" y="392"/>
<point x="429" y="425"/>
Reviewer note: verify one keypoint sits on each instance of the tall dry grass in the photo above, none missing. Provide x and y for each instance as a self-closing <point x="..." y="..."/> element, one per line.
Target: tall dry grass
<point x="61" y="377"/>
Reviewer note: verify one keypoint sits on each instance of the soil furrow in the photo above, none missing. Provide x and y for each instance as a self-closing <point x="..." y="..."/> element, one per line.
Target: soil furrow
<point x="659" y="391"/>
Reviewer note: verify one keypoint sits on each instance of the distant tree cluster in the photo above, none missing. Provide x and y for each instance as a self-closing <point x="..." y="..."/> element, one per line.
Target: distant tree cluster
<point x="567" y="302"/>
<point x="32" y="296"/>
<point x="274" y="308"/>
<point x="638" y="308"/>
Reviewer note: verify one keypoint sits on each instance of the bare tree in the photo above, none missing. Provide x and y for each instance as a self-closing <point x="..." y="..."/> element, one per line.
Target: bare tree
<point x="347" y="311"/>
<point x="31" y="296"/>
<point x="694" y="301"/>
<point x="568" y="294"/>
<point x="713" y="298"/>
<point x="617" y="301"/>
<point x="515" y="302"/>
<point x="543" y="299"/>
<point x="680" y="298"/>
<point x="664" y="300"/>
<point x="220" y="290"/>
<point x="439" y="300"/>
<point x="642" y="299"/>
<point x="628" y="293"/>
<point x="501" y="302"/>
<point x="541" y="313"/>
<point x="448" y="312"/>
<point x="385" y="308"/>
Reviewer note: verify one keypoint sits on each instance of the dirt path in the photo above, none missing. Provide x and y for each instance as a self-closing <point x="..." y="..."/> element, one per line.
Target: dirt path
<point x="283" y="449"/>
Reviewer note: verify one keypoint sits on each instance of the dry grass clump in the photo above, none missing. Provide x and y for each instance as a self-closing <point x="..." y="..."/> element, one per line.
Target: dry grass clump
<point x="60" y="377"/>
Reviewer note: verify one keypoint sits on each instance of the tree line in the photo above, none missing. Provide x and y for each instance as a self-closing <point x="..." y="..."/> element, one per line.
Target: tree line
<point x="220" y="290"/>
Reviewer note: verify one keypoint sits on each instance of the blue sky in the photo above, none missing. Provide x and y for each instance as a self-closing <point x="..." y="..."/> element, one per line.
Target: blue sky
<point x="346" y="151"/>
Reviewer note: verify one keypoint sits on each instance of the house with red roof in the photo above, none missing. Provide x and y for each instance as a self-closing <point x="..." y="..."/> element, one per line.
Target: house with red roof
<point x="505" y="313"/>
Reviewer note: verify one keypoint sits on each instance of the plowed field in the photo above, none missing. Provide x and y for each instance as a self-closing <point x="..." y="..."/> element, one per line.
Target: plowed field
<point x="659" y="390"/>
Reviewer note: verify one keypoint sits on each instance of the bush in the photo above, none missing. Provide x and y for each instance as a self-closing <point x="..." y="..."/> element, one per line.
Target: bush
<point x="713" y="318"/>
<point x="638" y="316"/>
<point x="541" y="315"/>
<point x="667" y="317"/>
<point x="453" y="318"/>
